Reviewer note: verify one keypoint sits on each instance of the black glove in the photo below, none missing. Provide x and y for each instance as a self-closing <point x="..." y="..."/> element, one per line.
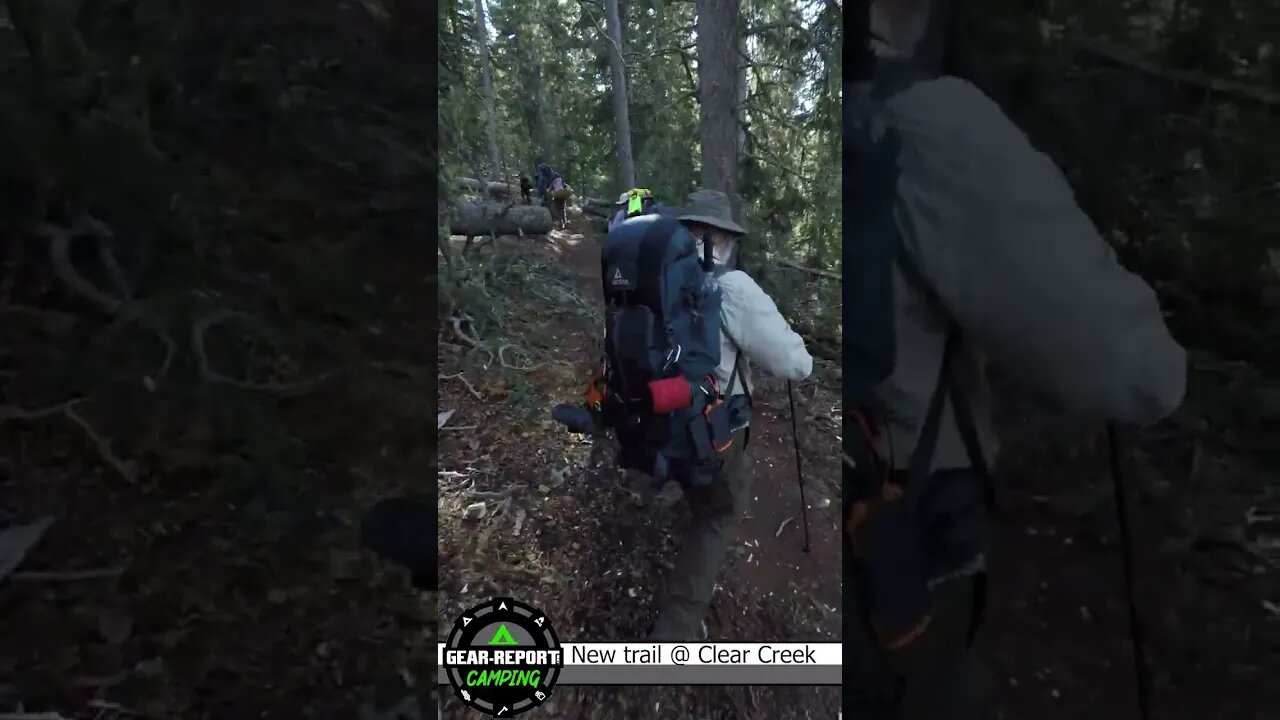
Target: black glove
<point x="403" y="530"/>
<point x="574" y="418"/>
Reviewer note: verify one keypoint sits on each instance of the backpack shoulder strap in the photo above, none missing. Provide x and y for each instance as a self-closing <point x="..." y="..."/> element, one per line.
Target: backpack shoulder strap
<point x="719" y="271"/>
<point x="737" y="361"/>
<point x="947" y="386"/>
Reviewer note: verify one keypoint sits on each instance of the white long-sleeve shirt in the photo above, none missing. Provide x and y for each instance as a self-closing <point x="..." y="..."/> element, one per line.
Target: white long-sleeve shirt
<point x="995" y="229"/>
<point x="752" y="319"/>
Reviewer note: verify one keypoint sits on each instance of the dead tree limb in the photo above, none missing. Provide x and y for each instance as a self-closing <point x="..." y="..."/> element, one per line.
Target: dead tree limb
<point x="126" y="469"/>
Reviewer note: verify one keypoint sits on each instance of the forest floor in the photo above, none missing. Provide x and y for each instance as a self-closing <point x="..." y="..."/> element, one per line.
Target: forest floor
<point x="1205" y="513"/>
<point x="576" y="540"/>
<point x="1204" y="501"/>
<point x="591" y="551"/>
<point x="203" y="559"/>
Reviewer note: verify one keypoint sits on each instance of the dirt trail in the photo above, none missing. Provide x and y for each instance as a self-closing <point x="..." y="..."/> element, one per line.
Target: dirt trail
<point x="598" y="556"/>
<point x="1208" y="573"/>
<point x="775" y="562"/>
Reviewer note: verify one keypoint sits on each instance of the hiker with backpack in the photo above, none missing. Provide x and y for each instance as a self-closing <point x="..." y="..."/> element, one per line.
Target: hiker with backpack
<point x="526" y="187"/>
<point x="682" y="328"/>
<point x="560" y="193"/>
<point x="620" y="211"/>
<point x="543" y="175"/>
<point x="632" y="203"/>
<point x="753" y="329"/>
<point x="969" y="246"/>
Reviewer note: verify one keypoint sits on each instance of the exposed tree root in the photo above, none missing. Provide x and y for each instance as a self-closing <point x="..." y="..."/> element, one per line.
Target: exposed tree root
<point x="202" y="326"/>
<point x="123" y="308"/>
<point x="521" y="368"/>
<point x="491" y="496"/>
<point x="126" y="469"/>
<point x="462" y="377"/>
<point x="102" y="445"/>
<point x="459" y="322"/>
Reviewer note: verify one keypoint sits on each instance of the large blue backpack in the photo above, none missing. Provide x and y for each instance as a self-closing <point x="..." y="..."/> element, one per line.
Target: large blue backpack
<point x="662" y="323"/>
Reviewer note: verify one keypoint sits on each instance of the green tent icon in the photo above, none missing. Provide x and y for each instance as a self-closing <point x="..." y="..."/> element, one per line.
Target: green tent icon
<point x="503" y="636"/>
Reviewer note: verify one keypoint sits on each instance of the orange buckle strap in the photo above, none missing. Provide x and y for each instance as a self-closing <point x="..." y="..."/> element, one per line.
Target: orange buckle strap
<point x="706" y="413"/>
<point x="905" y="639"/>
<point x="862" y="509"/>
<point x="595" y="390"/>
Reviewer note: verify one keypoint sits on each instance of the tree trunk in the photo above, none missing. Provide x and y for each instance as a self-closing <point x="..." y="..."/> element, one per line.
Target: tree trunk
<point x="743" y="60"/>
<point x="495" y="218"/>
<point x="718" y="97"/>
<point x="621" y="118"/>
<point x="540" y="115"/>
<point x="486" y="89"/>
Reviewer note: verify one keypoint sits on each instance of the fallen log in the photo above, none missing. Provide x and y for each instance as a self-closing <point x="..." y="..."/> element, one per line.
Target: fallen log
<point x="493" y="218"/>
<point x="501" y="190"/>
<point x="597" y="210"/>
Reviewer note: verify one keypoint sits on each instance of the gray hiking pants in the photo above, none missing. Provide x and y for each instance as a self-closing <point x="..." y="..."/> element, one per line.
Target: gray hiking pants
<point x="717" y="512"/>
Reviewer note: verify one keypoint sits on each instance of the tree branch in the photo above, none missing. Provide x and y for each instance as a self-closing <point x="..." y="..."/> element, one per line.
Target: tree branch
<point x="812" y="271"/>
<point x="1130" y="59"/>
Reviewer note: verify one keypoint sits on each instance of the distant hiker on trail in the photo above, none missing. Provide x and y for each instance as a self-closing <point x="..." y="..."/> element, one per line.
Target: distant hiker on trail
<point x="543" y="174"/>
<point x="682" y="327"/>
<point x="620" y="211"/>
<point x="560" y="192"/>
<point x="632" y="203"/>
<point x="525" y="189"/>
<point x="970" y="247"/>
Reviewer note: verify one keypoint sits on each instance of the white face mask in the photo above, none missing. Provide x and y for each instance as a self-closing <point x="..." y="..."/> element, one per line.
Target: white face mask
<point x="722" y="251"/>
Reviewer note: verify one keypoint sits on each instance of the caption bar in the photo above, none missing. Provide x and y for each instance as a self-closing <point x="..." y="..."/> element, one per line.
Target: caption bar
<point x="686" y="663"/>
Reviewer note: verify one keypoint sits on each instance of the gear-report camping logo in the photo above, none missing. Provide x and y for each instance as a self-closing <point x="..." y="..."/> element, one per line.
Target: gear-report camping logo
<point x="502" y="658"/>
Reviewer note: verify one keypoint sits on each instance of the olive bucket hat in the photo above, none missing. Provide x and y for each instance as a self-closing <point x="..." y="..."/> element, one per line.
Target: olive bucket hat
<point x="711" y="207"/>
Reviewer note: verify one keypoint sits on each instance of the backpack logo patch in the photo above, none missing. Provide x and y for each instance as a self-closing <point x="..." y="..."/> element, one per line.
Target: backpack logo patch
<point x="619" y="280"/>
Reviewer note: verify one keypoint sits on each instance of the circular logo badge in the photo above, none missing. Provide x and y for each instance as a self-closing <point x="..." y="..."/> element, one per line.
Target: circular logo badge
<point x="502" y="658"/>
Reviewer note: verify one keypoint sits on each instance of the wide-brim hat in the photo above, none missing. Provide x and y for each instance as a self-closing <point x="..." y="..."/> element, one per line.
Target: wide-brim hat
<point x="711" y="207"/>
<point x="623" y="198"/>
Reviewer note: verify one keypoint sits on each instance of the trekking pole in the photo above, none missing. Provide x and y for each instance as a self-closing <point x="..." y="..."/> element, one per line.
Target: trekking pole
<point x="795" y="438"/>
<point x="1135" y="621"/>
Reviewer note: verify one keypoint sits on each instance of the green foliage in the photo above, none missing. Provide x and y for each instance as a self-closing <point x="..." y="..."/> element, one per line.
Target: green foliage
<point x="790" y="165"/>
